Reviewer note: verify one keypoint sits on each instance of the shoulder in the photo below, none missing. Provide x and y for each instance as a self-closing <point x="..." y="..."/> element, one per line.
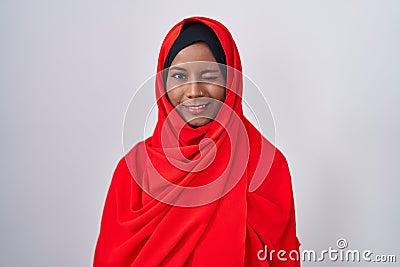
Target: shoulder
<point x="127" y="164"/>
<point x="280" y="159"/>
<point x="271" y="151"/>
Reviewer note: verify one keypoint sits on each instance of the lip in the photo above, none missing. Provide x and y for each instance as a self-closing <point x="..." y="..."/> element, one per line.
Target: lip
<point x="196" y="109"/>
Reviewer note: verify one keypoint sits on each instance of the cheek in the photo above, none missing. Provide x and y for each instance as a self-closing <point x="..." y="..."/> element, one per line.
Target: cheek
<point x="174" y="95"/>
<point x="217" y="92"/>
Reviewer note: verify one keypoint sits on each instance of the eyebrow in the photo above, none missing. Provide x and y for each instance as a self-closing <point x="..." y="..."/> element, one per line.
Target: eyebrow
<point x="178" y="68"/>
<point x="202" y="72"/>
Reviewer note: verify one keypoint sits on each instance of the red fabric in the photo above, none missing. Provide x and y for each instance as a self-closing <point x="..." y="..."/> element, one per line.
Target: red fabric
<point x="139" y="230"/>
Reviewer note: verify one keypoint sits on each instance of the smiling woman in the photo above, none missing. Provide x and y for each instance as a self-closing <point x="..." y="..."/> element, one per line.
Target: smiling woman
<point x="184" y="196"/>
<point x="196" y="88"/>
<point x="195" y="77"/>
<point x="196" y="102"/>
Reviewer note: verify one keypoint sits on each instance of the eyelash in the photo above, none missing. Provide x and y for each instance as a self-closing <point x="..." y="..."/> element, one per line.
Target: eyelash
<point x="181" y="76"/>
<point x="210" y="78"/>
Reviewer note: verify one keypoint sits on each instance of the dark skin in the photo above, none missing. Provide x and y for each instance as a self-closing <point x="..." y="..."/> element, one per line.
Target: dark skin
<point x="195" y="84"/>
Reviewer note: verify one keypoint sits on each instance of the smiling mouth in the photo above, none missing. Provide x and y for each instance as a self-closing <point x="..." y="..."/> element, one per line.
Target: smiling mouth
<point x="196" y="109"/>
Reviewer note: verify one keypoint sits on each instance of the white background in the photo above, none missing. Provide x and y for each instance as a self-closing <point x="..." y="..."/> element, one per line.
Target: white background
<point x="329" y="70"/>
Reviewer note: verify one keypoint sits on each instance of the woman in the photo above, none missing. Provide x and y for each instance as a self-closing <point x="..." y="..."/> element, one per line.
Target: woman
<point x="207" y="189"/>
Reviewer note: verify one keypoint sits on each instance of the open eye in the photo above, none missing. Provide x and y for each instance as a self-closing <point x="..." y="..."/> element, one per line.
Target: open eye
<point x="179" y="76"/>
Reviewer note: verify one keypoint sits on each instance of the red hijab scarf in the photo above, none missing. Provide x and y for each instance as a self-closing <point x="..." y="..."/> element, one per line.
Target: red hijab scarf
<point x="216" y="195"/>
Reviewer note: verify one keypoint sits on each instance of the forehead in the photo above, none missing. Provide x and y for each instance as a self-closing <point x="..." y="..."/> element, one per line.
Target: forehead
<point x="195" y="52"/>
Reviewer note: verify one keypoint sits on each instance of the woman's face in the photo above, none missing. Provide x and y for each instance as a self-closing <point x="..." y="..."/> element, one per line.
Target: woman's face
<point x="196" y="89"/>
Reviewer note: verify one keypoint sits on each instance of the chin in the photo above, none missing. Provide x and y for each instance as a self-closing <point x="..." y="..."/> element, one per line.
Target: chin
<point x="198" y="122"/>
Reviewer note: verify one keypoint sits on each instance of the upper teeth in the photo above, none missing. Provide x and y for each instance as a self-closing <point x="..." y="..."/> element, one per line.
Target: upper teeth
<point x="197" y="107"/>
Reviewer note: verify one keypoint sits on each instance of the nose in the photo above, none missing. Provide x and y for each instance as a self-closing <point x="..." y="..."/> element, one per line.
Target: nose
<point x="193" y="90"/>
